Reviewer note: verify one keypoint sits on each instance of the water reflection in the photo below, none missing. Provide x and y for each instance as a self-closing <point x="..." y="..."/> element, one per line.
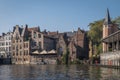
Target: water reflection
<point x="57" y="72"/>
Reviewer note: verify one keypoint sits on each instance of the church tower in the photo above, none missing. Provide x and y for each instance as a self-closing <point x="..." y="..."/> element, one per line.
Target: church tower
<point x="107" y="25"/>
<point x="108" y="28"/>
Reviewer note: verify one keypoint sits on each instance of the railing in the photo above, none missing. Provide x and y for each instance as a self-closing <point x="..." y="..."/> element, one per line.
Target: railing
<point x="110" y="58"/>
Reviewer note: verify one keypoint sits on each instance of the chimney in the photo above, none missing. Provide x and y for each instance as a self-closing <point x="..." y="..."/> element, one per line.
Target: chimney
<point x="26" y="26"/>
<point x="3" y="34"/>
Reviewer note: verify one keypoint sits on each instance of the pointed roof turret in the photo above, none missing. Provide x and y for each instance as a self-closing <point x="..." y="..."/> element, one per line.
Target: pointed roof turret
<point x="107" y="18"/>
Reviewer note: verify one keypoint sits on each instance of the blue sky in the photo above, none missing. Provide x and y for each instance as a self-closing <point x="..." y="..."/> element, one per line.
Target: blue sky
<point x="53" y="15"/>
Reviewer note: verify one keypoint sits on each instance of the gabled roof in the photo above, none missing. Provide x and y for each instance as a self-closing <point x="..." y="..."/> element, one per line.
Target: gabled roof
<point x="19" y="29"/>
<point x="24" y="30"/>
<point x="64" y="38"/>
<point x="80" y="31"/>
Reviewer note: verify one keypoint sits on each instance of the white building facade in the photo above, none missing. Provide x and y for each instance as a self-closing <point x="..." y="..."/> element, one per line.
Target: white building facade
<point x="5" y="45"/>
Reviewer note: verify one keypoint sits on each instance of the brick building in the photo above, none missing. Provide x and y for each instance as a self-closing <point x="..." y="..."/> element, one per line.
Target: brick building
<point x="26" y="40"/>
<point x="78" y="45"/>
<point x="76" y="42"/>
<point x="111" y="43"/>
<point x="108" y="28"/>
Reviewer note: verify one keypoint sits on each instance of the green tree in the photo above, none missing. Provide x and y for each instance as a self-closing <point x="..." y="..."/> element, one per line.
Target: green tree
<point x="65" y="57"/>
<point x="95" y="34"/>
<point x="117" y="21"/>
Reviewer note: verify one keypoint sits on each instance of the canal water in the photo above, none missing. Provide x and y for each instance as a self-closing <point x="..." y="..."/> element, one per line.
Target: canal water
<point x="57" y="72"/>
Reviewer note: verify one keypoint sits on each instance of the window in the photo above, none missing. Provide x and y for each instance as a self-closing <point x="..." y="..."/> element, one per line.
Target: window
<point x="16" y="53"/>
<point x="13" y="47"/>
<point x="6" y="43"/>
<point x="39" y="45"/>
<point x="13" y="53"/>
<point x="3" y="44"/>
<point x="24" y="52"/>
<point x="16" y="59"/>
<point x="13" y="41"/>
<point x="9" y="48"/>
<point x="24" y="59"/>
<point x="9" y="43"/>
<point x="17" y="37"/>
<point x="20" y="53"/>
<point x="20" y="40"/>
<point x="6" y="48"/>
<point x="26" y="45"/>
<point x="27" y="52"/>
<point x="9" y="38"/>
<point x="35" y="35"/>
<point x="33" y="43"/>
<point x="20" y="46"/>
<point x="39" y="35"/>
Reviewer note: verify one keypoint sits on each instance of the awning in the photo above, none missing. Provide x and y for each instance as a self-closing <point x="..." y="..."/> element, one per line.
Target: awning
<point x="44" y="52"/>
<point x="52" y="52"/>
<point x="36" y="52"/>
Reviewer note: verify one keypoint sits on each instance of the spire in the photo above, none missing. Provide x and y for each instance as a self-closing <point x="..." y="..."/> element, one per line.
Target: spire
<point x="107" y="18"/>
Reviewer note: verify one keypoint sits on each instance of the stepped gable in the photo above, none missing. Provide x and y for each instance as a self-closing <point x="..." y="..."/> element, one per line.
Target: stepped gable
<point x="19" y="29"/>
